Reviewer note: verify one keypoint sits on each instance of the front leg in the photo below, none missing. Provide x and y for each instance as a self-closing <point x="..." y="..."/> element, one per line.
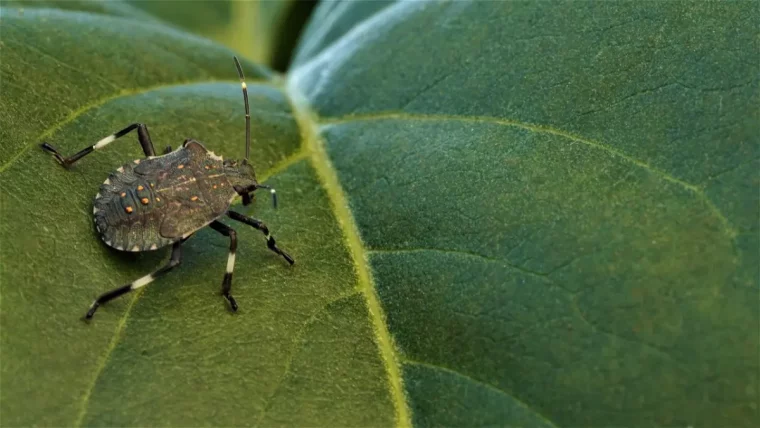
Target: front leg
<point x="245" y="193"/>
<point x="227" y="281"/>
<point x="142" y="136"/>
<point x="259" y="225"/>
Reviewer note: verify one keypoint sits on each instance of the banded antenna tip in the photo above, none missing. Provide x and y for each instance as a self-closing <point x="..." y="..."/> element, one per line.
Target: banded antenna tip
<point x="247" y="109"/>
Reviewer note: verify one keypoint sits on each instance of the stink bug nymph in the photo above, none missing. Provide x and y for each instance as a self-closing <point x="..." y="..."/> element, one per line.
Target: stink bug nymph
<point x="157" y="201"/>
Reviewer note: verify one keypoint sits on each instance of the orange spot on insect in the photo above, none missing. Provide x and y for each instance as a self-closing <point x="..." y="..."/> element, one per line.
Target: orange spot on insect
<point x="206" y="167"/>
<point x="144" y="201"/>
<point x="214" y="186"/>
<point x="129" y="210"/>
<point x="123" y="194"/>
<point x="180" y="166"/>
<point x="140" y="188"/>
<point x="194" y="198"/>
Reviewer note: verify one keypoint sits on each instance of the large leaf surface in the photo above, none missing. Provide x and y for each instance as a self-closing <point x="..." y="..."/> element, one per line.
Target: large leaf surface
<point x="300" y="351"/>
<point x="559" y="202"/>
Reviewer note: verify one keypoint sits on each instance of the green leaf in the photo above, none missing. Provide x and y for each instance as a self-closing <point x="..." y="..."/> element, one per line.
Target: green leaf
<point x="300" y="350"/>
<point x="522" y="214"/>
<point x="559" y="202"/>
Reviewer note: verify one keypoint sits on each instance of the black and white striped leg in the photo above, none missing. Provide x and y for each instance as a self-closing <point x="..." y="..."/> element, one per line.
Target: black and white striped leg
<point x="167" y="150"/>
<point x="174" y="261"/>
<point x="142" y="136"/>
<point x="227" y="282"/>
<point x="258" y="224"/>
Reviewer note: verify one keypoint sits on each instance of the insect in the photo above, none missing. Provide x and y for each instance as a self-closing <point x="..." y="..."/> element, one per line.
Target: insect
<point x="158" y="201"/>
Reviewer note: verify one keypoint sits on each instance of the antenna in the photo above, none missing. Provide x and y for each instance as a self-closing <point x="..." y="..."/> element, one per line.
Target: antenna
<point x="247" y="111"/>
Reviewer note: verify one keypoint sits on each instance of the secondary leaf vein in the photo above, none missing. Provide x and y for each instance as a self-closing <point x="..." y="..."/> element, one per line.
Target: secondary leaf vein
<point x="99" y="102"/>
<point x="296" y="344"/>
<point x="481" y="383"/>
<point x="104" y="360"/>
<point x="730" y="231"/>
<point x="458" y="253"/>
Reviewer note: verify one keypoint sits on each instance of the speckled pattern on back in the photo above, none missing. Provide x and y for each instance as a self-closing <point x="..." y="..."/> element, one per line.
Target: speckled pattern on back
<point x="153" y="202"/>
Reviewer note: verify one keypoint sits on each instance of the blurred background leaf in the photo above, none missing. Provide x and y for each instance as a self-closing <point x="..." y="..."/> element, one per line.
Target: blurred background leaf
<point x="252" y="27"/>
<point x="265" y="31"/>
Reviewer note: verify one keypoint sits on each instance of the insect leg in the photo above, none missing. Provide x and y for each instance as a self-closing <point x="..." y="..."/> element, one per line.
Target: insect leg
<point x="258" y="224"/>
<point x="167" y="150"/>
<point x="245" y="193"/>
<point x="271" y="191"/>
<point x="227" y="282"/>
<point x="142" y="136"/>
<point x="147" y="279"/>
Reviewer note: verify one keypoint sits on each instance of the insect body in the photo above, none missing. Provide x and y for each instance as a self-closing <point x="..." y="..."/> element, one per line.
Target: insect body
<point x="158" y="201"/>
<point x="153" y="202"/>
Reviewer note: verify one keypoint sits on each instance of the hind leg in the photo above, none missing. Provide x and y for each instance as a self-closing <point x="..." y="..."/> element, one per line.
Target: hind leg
<point x="174" y="261"/>
<point x="227" y="281"/>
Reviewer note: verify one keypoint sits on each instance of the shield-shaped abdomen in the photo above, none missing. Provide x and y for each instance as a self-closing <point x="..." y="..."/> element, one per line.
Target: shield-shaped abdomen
<point x="153" y="202"/>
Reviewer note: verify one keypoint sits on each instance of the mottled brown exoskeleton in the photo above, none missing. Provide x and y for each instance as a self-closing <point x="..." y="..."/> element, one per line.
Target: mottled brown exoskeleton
<point x="158" y="201"/>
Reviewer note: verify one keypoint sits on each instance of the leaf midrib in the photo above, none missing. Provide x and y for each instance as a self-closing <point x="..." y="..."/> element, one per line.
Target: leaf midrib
<point x="311" y="147"/>
<point x="309" y="126"/>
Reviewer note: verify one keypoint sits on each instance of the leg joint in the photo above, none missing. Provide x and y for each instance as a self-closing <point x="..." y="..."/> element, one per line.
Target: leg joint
<point x="233" y="241"/>
<point x="263" y="228"/>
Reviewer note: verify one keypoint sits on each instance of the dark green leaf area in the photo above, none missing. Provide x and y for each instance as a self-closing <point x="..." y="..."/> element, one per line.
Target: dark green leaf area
<point x="574" y="280"/>
<point x="738" y="190"/>
<point x="299" y="351"/>
<point x="54" y="263"/>
<point x="651" y="81"/>
<point x="44" y="59"/>
<point x="487" y="406"/>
